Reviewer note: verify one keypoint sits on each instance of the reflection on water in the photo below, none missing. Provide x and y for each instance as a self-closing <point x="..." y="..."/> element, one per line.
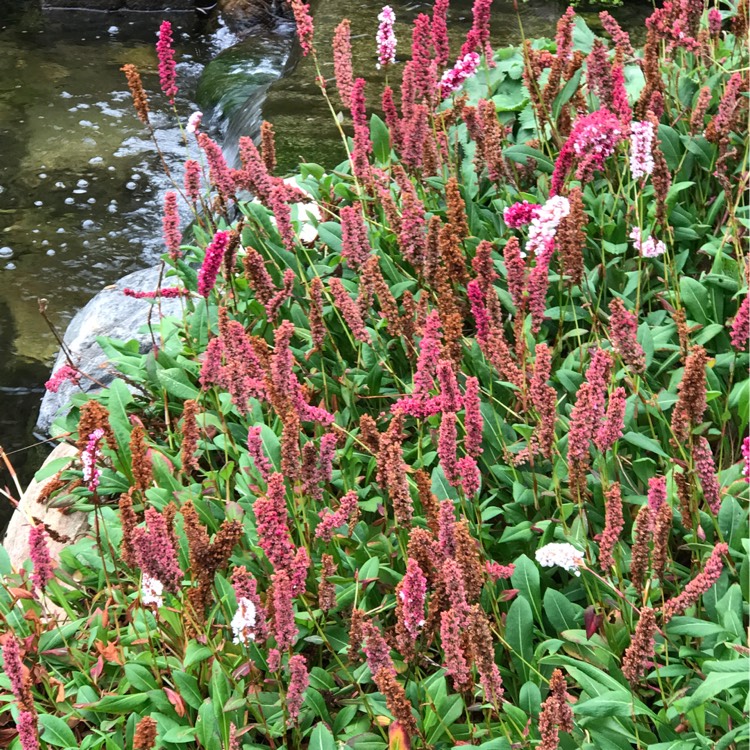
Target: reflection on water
<point x="80" y="181"/>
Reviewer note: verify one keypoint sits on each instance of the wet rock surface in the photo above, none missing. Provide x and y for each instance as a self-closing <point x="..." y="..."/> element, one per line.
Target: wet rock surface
<point x="110" y="313"/>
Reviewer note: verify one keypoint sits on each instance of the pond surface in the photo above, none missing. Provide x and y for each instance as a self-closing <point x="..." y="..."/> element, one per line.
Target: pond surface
<point x="80" y="181"/>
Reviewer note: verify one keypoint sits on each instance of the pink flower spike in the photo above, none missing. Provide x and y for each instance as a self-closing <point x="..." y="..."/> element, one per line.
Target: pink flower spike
<point x="89" y="457"/>
<point x="412" y="591"/>
<point x="194" y="122"/>
<point x="305" y="28"/>
<point x="171" y="224"/>
<point x="454" y="78"/>
<point x="746" y="458"/>
<point x="498" y="572"/>
<point x="167" y="65"/>
<point x="520" y="214"/>
<point x="641" y="146"/>
<point x="39" y="553"/>
<point x="386" y="38"/>
<point x="209" y="270"/>
<point x="64" y="374"/>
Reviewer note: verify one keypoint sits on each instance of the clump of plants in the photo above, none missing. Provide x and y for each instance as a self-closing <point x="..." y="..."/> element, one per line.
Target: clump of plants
<point x="448" y="446"/>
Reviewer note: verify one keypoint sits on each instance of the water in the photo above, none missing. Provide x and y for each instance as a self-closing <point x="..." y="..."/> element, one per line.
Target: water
<point x="80" y="181"/>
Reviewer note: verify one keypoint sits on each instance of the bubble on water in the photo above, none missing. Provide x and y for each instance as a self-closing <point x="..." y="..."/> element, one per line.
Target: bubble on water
<point x="10" y="267"/>
<point x="70" y="201"/>
<point x="88" y="224"/>
<point x="60" y="185"/>
<point x="6" y="252"/>
<point x="38" y="203"/>
<point x="45" y="243"/>
<point x="33" y="231"/>
<point x="91" y="200"/>
<point x="96" y="160"/>
<point x="112" y="209"/>
<point x="110" y="168"/>
<point x="65" y="95"/>
<point x="82" y="183"/>
<point x="42" y="176"/>
<point x="112" y="29"/>
<point x="64" y="244"/>
<point x="61" y="231"/>
<point x="79" y="192"/>
<point x="86" y="123"/>
<point x="131" y="185"/>
<point x="50" y="252"/>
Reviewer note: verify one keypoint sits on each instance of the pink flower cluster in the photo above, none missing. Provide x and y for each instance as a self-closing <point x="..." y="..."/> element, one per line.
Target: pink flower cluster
<point x="167" y="65"/>
<point x="89" y="457"/>
<point x="641" y="144"/>
<point x="194" y="122"/>
<point x="39" y="554"/>
<point x="155" y="552"/>
<point x="332" y="520"/>
<point x="648" y="248"/>
<point x="746" y="457"/>
<point x="65" y="373"/>
<point x="386" y="38"/>
<point x="305" y="28"/>
<point x="592" y="141"/>
<point x="412" y="591"/>
<point x="454" y="78"/>
<point x="520" y="214"/>
<point x="544" y="224"/>
<point x="212" y="263"/>
<point x="171" y="224"/>
<point x="166" y="292"/>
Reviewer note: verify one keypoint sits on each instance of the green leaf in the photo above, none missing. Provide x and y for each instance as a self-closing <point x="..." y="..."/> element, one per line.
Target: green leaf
<point x="330" y="233"/>
<point x="711" y="686"/>
<point x="118" y="401"/>
<point x="56" y="731"/>
<point x="188" y="688"/>
<point x="51" y="468"/>
<point x="521" y="153"/>
<point x="321" y="738"/>
<point x="562" y="613"/>
<point x="381" y="139"/>
<point x="519" y="632"/>
<point x="670" y="146"/>
<point x="179" y="735"/>
<point x="642" y="441"/>
<point x="695" y="297"/>
<point x="196" y="653"/>
<point x="614" y="703"/>
<point x="120" y="704"/>
<point x="525" y="578"/>
<point x="732" y="523"/>
<point x="176" y="383"/>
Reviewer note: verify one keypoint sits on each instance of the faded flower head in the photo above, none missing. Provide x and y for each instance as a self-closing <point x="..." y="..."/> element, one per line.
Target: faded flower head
<point x="562" y="555"/>
<point x="386" y="38"/>
<point x="243" y="622"/>
<point x="648" y="248"/>
<point x="89" y="457"/>
<point x="152" y="591"/>
<point x="194" y="122"/>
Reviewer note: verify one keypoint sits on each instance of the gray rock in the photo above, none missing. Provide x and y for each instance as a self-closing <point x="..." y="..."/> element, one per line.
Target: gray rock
<point x="66" y="527"/>
<point x="110" y="313"/>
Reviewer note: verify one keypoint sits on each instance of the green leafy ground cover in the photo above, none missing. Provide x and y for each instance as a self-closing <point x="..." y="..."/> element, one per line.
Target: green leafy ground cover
<point x="649" y="639"/>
